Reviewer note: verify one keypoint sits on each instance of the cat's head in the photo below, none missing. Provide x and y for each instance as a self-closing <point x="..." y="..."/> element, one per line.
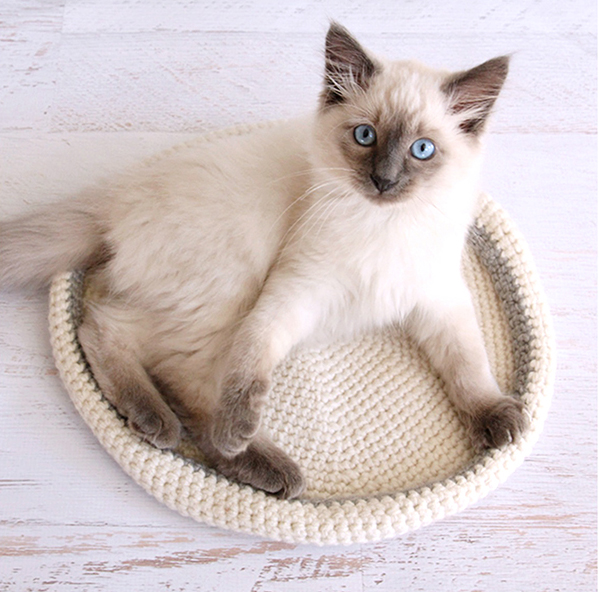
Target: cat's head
<point x="390" y="129"/>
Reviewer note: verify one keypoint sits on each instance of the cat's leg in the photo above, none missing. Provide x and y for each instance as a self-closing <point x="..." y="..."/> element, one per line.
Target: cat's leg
<point x="284" y="315"/>
<point x="111" y="353"/>
<point x="261" y="465"/>
<point x="448" y="332"/>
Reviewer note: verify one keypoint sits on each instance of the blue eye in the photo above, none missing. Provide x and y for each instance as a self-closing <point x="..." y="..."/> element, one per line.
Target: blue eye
<point x="365" y="135"/>
<point x="422" y="149"/>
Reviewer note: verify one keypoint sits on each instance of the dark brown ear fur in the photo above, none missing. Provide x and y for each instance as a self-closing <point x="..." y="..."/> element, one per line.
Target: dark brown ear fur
<point x="473" y="93"/>
<point x="347" y="66"/>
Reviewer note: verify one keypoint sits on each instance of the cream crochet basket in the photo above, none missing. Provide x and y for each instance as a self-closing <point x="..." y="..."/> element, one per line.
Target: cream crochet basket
<point x="380" y="445"/>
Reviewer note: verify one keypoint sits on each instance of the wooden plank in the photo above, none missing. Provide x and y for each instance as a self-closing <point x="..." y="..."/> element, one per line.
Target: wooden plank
<point x="486" y="16"/>
<point x="196" y="81"/>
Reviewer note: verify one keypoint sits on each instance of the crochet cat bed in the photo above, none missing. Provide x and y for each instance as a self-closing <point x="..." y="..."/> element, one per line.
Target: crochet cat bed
<point x="381" y="446"/>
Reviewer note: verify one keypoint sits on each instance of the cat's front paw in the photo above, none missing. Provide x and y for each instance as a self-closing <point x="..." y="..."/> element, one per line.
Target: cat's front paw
<point x="159" y="426"/>
<point x="237" y="418"/>
<point x="498" y="424"/>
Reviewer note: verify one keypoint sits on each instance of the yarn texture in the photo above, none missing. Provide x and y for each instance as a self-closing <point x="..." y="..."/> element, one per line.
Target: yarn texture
<point x="381" y="446"/>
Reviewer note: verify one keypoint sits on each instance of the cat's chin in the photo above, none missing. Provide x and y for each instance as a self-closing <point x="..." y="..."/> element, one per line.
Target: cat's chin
<point x="387" y="197"/>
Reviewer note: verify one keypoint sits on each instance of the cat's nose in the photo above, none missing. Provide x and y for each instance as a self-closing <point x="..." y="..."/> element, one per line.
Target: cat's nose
<point x="382" y="184"/>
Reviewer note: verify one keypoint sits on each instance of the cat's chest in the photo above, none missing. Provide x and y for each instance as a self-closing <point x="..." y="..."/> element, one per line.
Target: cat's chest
<point x="386" y="271"/>
<point x="389" y="270"/>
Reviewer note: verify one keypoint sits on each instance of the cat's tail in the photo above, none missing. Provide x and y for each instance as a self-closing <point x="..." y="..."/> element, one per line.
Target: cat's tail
<point x="53" y="238"/>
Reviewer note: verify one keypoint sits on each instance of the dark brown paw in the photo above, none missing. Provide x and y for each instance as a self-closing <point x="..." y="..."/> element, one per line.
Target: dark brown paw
<point x="499" y="424"/>
<point x="264" y="466"/>
<point x="237" y="420"/>
<point x="162" y="429"/>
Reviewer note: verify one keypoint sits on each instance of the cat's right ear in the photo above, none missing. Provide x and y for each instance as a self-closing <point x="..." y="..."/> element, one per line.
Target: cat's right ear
<point x="348" y="68"/>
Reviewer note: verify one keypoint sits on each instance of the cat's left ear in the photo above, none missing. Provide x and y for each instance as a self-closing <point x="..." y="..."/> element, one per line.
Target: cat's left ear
<point x="472" y="94"/>
<point x="348" y="67"/>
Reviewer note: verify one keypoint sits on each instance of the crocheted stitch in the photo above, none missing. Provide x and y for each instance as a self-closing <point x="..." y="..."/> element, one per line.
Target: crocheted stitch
<point x="380" y="444"/>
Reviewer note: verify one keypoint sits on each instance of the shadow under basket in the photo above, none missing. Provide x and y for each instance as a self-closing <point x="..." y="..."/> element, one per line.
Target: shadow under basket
<point x="368" y="421"/>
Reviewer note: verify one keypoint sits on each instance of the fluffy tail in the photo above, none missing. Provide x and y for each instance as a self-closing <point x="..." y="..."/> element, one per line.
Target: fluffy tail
<point x="52" y="239"/>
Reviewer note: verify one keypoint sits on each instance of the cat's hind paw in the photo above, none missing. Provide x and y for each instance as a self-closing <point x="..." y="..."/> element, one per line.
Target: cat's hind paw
<point x="264" y="466"/>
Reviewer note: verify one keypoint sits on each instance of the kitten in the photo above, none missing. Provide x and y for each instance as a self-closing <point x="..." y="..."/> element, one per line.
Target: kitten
<point x="205" y="267"/>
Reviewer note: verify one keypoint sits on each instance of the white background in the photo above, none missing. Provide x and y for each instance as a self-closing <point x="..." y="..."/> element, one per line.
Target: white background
<point x="87" y="87"/>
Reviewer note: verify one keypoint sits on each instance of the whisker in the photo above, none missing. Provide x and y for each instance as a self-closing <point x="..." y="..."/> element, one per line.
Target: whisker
<point x="308" y="171"/>
<point x="429" y="203"/>
<point x="326" y="215"/>
<point x="304" y="218"/>
<point x="305" y="194"/>
<point x="302" y="222"/>
<point x="314" y="187"/>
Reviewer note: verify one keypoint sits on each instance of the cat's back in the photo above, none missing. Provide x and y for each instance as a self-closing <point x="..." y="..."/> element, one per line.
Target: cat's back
<point x="220" y="203"/>
<point x="249" y="166"/>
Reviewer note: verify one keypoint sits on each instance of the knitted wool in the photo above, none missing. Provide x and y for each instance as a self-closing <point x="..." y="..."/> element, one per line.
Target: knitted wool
<point x="368" y="421"/>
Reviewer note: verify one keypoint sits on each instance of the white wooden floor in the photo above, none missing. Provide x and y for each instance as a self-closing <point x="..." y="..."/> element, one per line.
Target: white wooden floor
<point x="87" y="86"/>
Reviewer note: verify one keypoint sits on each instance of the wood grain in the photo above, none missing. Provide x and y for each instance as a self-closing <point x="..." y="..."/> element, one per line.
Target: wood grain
<point x="88" y="87"/>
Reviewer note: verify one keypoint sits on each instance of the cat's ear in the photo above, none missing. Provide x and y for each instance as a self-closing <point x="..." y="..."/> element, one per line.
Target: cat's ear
<point x="347" y="67"/>
<point x="472" y="93"/>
